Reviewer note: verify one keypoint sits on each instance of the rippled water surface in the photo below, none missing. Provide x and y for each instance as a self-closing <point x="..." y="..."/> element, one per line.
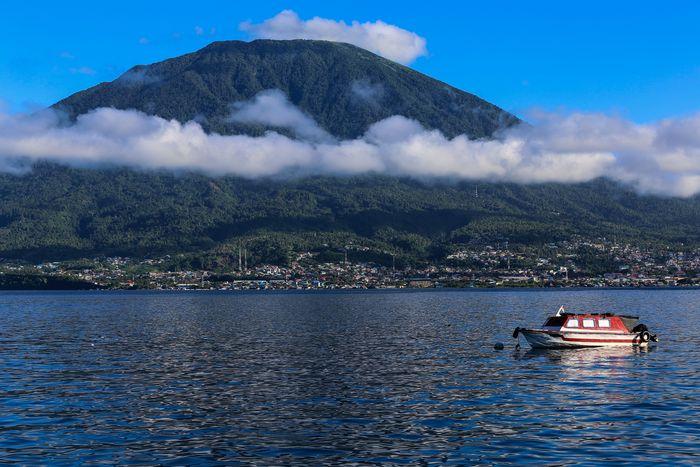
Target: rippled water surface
<point x="318" y="378"/>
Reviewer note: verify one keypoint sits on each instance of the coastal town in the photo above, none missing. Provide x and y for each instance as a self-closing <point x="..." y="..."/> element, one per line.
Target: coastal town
<point x="579" y="263"/>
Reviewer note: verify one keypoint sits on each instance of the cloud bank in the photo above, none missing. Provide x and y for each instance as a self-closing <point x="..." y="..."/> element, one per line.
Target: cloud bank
<point x="272" y="108"/>
<point x="661" y="158"/>
<point x="384" y="39"/>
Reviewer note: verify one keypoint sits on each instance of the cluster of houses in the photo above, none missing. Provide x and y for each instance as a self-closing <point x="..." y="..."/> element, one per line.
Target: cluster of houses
<point x="564" y="264"/>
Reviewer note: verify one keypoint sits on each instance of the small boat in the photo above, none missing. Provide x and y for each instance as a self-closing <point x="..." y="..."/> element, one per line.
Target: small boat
<point x="571" y="330"/>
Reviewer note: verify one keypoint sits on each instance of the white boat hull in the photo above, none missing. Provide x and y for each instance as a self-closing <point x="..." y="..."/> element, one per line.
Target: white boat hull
<point x="557" y="340"/>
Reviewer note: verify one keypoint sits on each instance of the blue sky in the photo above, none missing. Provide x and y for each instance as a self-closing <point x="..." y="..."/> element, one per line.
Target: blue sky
<point x="632" y="59"/>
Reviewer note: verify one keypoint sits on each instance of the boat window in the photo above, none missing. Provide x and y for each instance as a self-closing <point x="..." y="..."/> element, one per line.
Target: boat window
<point x="588" y="323"/>
<point x="572" y="323"/>
<point x="604" y="323"/>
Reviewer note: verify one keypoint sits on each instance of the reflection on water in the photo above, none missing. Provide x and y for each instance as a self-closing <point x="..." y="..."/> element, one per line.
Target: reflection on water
<point x="589" y="361"/>
<point x="347" y="377"/>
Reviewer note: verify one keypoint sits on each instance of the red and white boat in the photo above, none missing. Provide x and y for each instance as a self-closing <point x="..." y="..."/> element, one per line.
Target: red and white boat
<point x="570" y="330"/>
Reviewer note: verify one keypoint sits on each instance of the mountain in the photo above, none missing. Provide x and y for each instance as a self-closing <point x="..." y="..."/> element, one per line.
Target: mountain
<point x="343" y="87"/>
<point x="57" y="212"/>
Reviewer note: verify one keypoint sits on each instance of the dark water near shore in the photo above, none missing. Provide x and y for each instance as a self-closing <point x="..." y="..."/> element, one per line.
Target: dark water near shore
<point x="380" y="377"/>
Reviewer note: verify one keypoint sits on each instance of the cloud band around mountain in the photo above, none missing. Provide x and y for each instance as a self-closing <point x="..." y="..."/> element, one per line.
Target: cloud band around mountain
<point x="384" y="39"/>
<point x="661" y="158"/>
<point x="272" y="108"/>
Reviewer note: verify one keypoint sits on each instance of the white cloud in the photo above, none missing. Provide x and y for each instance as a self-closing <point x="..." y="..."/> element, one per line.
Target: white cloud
<point x="367" y="92"/>
<point x="199" y="31"/>
<point x="136" y="77"/>
<point x="272" y="108"/>
<point x="384" y="39"/>
<point x="83" y="70"/>
<point x="144" y="40"/>
<point x="661" y="158"/>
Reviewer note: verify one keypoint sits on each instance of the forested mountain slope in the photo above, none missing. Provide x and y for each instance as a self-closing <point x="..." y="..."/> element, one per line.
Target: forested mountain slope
<point x="57" y="212"/>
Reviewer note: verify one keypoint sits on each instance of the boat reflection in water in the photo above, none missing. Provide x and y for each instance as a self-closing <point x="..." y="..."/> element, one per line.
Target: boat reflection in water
<point x="583" y="356"/>
<point x="601" y="364"/>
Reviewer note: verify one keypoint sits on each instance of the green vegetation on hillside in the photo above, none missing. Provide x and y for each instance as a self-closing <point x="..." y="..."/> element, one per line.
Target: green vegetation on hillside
<point x="22" y="281"/>
<point x="55" y="212"/>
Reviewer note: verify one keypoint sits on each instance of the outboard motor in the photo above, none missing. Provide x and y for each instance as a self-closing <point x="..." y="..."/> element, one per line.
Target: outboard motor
<point x="516" y="333"/>
<point x="644" y="334"/>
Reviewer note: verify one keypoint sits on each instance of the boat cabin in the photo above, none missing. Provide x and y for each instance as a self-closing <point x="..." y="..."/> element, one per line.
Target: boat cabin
<point x="592" y="322"/>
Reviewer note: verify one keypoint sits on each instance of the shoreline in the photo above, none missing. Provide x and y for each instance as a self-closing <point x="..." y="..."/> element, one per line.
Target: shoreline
<point x="353" y="291"/>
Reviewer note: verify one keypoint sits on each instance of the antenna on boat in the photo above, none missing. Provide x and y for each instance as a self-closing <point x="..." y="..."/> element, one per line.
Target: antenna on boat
<point x="561" y="311"/>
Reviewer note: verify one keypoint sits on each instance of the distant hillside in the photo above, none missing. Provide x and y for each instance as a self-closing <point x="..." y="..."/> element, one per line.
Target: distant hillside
<point x="344" y="88"/>
<point x="57" y="212"/>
